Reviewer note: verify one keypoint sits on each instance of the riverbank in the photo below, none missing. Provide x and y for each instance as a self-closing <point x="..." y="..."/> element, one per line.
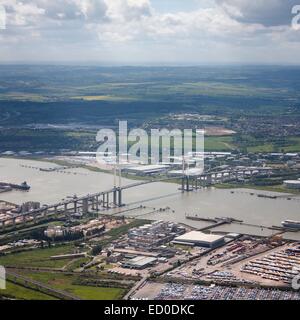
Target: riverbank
<point x="277" y="188"/>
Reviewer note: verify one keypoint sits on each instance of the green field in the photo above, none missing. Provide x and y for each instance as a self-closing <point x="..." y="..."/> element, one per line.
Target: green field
<point x="293" y="145"/>
<point x="252" y="144"/>
<point x="219" y="143"/>
<point x="268" y="147"/>
<point x="104" y="98"/>
<point x="65" y="283"/>
<point x="37" y="258"/>
<point x="62" y="282"/>
<point x="18" y="292"/>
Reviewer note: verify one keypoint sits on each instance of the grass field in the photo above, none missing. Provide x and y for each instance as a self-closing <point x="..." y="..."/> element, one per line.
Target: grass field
<point x="219" y="143"/>
<point x="288" y="144"/>
<point x="75" y="264"/>
<point x="18" y="292"/>
<point x="294" y="145"/>
<point x="65" y="283"/>
<point x="21" y="96"/>
<point x="37" y="258"/>
<point x="104" y="98"/>
<point x="268" y="147"/>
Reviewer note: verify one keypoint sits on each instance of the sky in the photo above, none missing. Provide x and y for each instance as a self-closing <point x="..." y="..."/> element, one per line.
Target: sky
<point x="150" y="32"/>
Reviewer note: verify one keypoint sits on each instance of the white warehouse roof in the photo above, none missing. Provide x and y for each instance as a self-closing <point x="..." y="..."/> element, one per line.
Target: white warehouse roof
<point x="197" y="236"/>
<point x="190" y="172"/>
<point x="296" y="182"/>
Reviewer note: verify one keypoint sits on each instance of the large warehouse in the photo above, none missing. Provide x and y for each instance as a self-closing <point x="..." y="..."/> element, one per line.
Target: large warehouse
<point x="292" y="184"/>
<point x="139" y="262"/>
<point x="197" y="238"/>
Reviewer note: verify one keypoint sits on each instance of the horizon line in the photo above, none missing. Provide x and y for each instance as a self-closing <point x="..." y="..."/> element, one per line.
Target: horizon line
<point x="145" y="64"/>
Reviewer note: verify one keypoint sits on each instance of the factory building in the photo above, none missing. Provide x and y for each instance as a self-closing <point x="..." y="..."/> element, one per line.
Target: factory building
<point x="84" y="230"/>
<point x="197" y="238"/>
<point x="139" y="262"/>
<point x="292" y="184"/>
<point x="154" y="235"/>
<point x="189" y="172"/>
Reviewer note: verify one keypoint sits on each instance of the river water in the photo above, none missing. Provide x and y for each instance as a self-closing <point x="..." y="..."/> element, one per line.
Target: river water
<point x="51" y="187"/>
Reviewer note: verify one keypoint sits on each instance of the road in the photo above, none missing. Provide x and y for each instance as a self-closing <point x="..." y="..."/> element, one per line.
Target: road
<point x="135" y="288"/>
<point x="56" y="292"/>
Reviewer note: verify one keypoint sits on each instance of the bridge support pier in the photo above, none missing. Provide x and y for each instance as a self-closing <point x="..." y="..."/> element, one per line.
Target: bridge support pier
<point x="222" y="177"/>
<point x="75" y="206"/>
<point x="107" y="200"/>
<point x="115" y="197"/>
<point x="120" y="204"/>
<point x="209" y="180"/>
<point x="85" y="206"/>
<point x="55" y="212"/>
<point x="97" y="203"/>
<point x="103" y="200"/>
<point x="186" y="184"/>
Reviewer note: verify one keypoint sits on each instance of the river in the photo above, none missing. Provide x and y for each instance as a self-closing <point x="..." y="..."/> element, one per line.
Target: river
<point x="50" y="187"/>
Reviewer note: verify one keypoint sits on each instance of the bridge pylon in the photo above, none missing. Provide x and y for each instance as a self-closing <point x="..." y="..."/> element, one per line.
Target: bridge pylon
<point x="115" y="196"/>
<point x="120" y="200"/>
<point x="186" y="184"/>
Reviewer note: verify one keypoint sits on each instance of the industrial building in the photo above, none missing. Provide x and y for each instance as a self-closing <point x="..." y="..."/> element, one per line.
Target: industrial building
<point x="188" y="172"/>
<point x="93" y="227"/>
<point x="139" y="262"/>
<point x="153" y="235"/>
<point x="197" y="238"/>
<point x="292" y="184"/>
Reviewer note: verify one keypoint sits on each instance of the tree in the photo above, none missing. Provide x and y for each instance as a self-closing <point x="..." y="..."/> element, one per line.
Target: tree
<point x="96" y="250"/>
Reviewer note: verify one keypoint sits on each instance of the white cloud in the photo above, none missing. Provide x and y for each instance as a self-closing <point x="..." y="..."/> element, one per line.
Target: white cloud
<point x="208" y="23"/>
<point x="96" y="24"/>
<point x="43" y="10"/>
<point x="128" y="10"/>
<point x="266" y="12"/>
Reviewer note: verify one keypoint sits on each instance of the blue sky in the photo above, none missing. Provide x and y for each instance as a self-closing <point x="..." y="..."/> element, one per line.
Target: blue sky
<point x="150" y="31"/>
